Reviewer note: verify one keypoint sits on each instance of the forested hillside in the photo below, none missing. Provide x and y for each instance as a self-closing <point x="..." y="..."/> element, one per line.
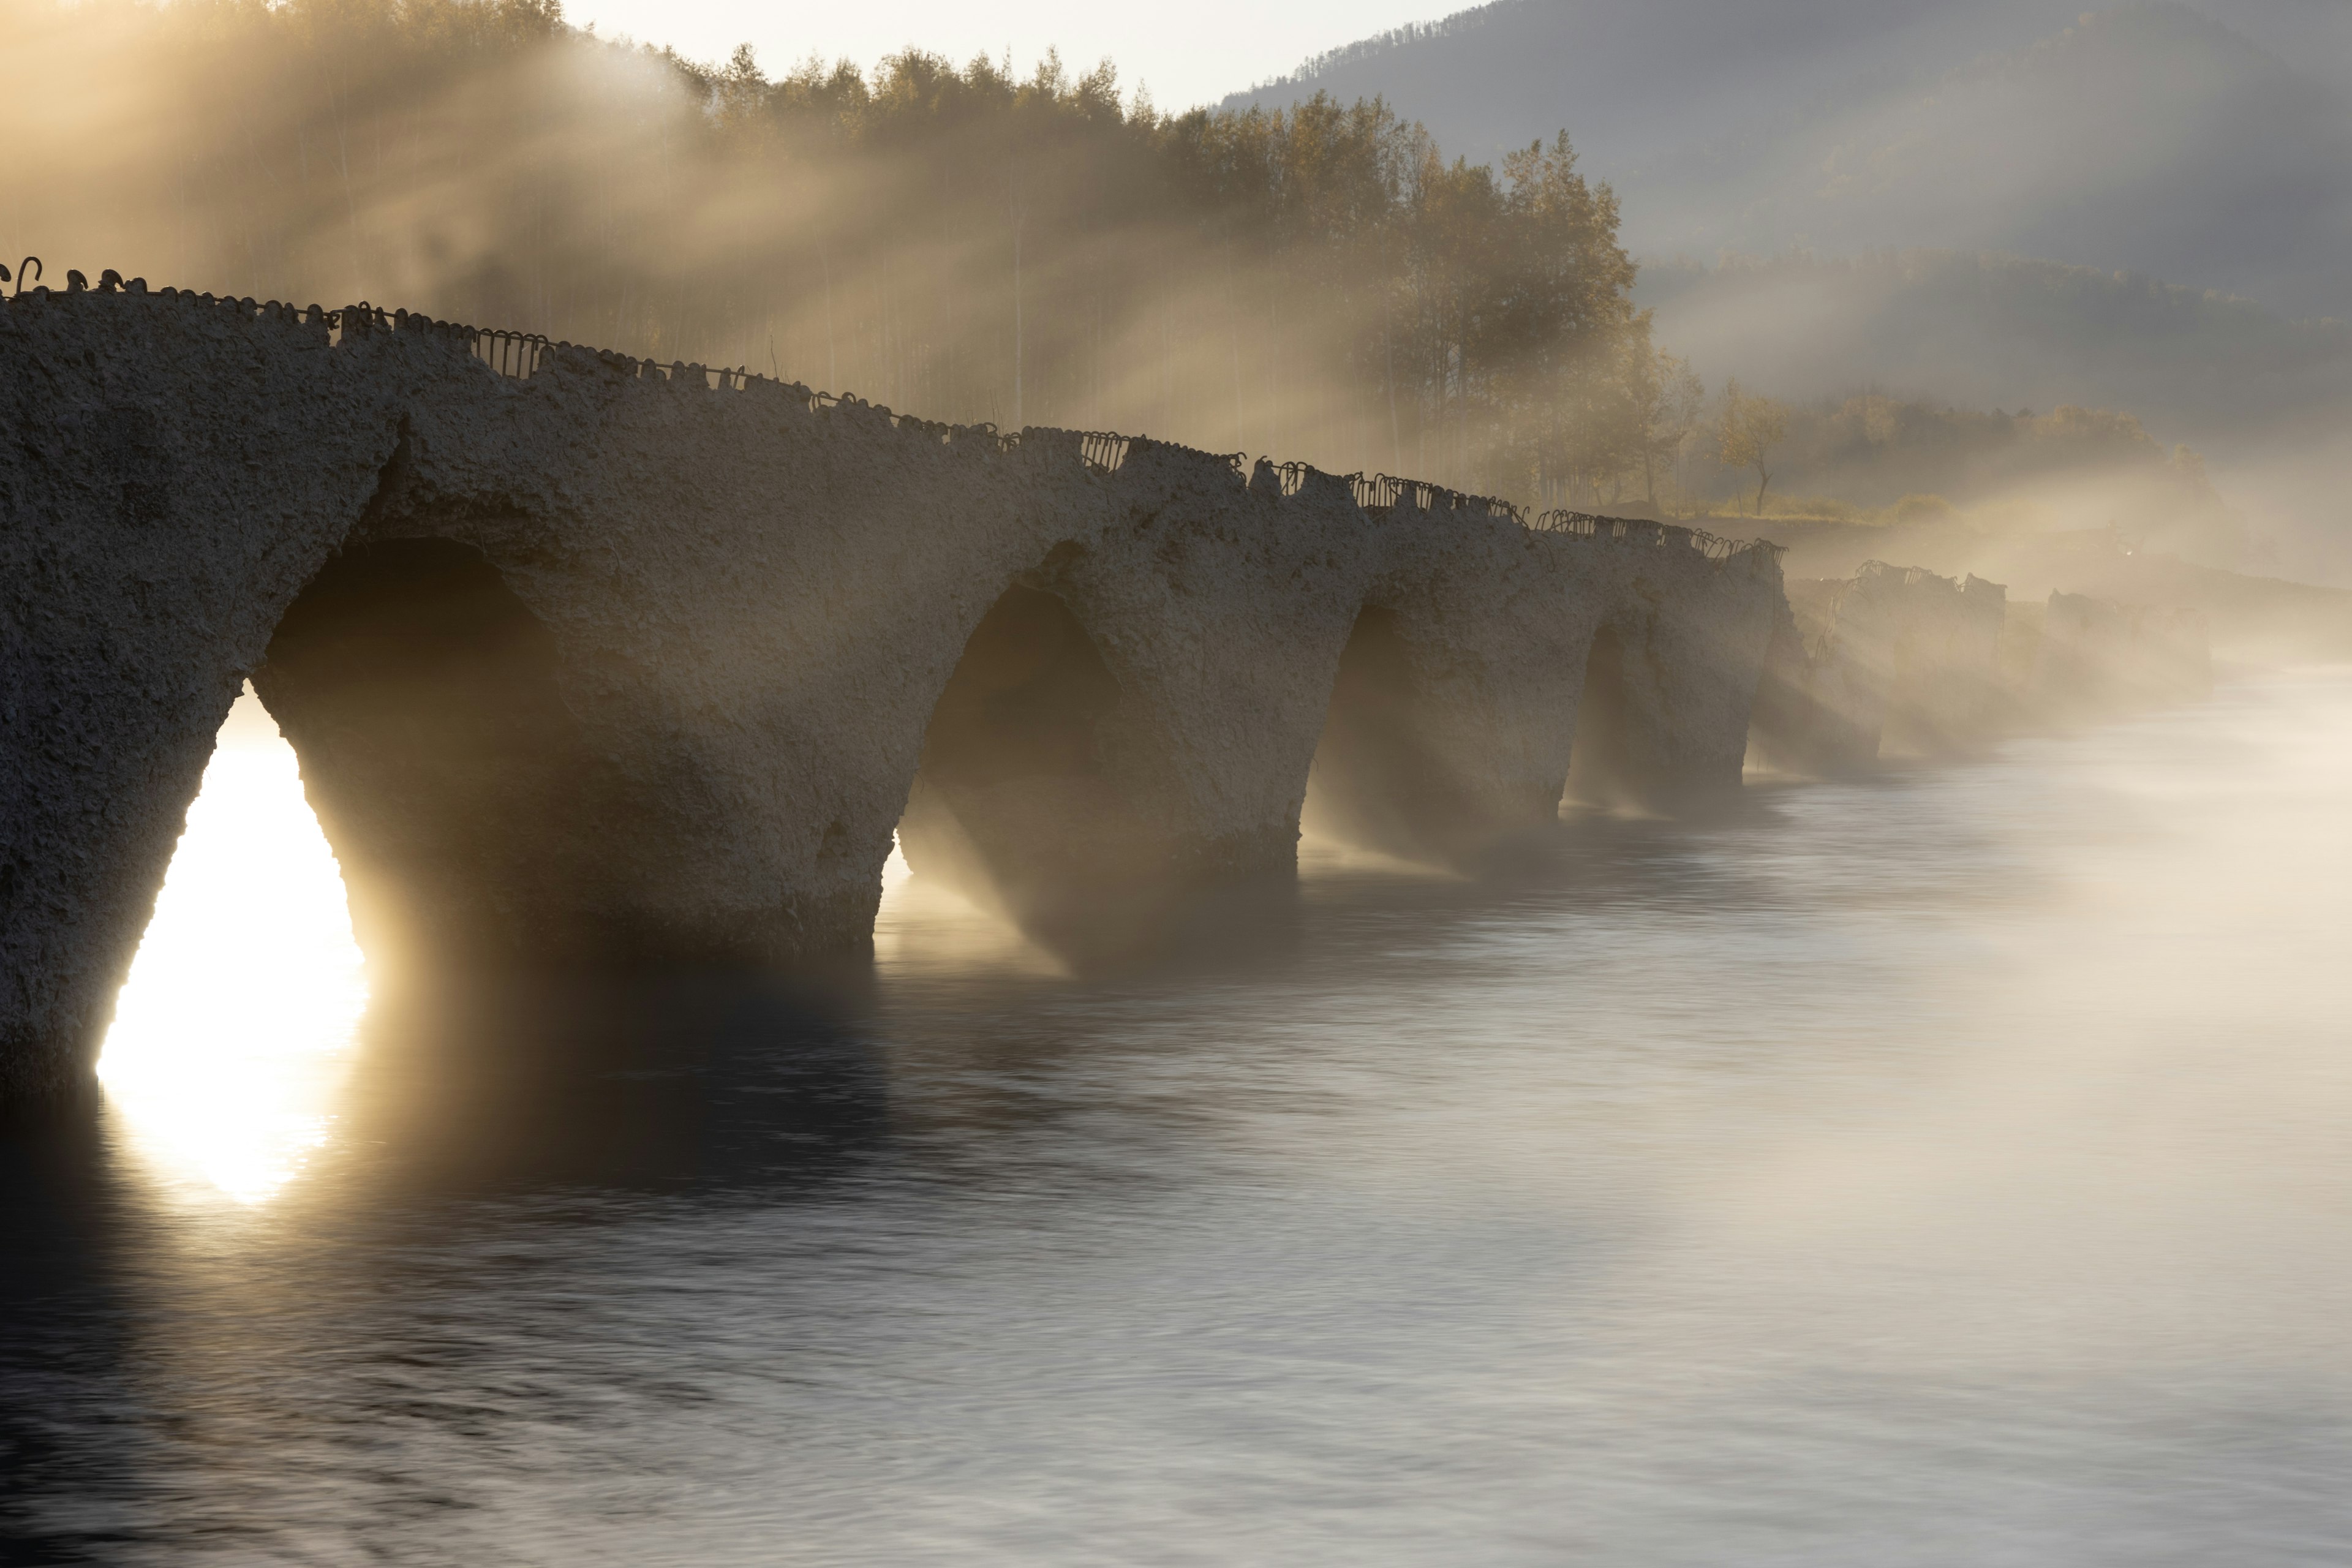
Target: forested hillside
<point x="1640" y="79"/>
<point x="2207" y="144"/>
<point x="1980" y="206"/>
<point x="1319" y="282"/>
<point x="1988" y="330"/>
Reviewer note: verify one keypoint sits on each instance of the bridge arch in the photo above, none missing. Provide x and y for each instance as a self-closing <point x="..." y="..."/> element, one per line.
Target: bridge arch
<point x="1447" y="728"/>
<point x="1603" y="769"/>
<point x="1042" y="790"/>
<point x="422" y="697"/>
<point x="1381" y="778"/>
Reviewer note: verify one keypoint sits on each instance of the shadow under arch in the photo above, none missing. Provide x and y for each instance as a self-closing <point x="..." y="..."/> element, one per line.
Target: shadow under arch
<point x="422" y="697"/>
<point x="1377" y="782"/>
<point x="1044" y="788"/>
<point x="1603" y="767"/>
<point x="1414" y="764"/>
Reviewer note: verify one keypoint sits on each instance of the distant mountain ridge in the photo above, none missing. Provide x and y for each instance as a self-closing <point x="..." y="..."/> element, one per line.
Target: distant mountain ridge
<point x="1985" y="330"/>
<point x="1630" y="80"/>
<point x="2263" y="396"/>
<point x="1999" y="204"/>
<point x="2153" y="138"/>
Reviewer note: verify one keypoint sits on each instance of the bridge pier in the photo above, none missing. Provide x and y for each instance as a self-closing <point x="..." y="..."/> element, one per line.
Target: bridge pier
<point x="152" y="529"/>
<point x="1691" y="629"/>
<point x="1454" y="702"/>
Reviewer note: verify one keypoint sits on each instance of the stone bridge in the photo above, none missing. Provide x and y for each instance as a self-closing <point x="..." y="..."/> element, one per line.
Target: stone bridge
<point x="614" y="663"/>
<point x="1892" y="659"/>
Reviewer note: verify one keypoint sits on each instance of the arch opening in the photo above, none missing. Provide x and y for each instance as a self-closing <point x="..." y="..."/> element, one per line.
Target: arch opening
<point x="232" y="1035"/>
<point x="1602" y="769"/>
<point x="1425" y="752"/>
<point x="1027" y="701"/>
<point x="1376" y="781"/>
<point x="422" y="697"/>
<point x="1032" y="796"/>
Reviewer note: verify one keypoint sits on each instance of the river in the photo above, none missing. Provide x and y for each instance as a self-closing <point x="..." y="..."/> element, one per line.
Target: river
<point x="1945" y="1168"/>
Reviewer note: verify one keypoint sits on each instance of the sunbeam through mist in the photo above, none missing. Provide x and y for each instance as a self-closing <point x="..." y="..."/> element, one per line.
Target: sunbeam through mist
<point x="235" y="1026"/>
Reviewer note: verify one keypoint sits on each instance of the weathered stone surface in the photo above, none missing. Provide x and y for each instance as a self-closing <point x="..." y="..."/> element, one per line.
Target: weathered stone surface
<point x="1463" y="710"/>
<point x="171" y="475"/>
<point x="600" y="666"/>
<point x="1140" y="713"/>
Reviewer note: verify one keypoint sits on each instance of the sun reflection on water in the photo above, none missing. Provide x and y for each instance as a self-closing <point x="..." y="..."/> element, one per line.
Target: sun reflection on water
<point x="235" y="1031"/>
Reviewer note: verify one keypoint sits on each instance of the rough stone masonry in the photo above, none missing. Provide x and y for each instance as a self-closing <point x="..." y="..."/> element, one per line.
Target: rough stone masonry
<point x="606" y="665"/>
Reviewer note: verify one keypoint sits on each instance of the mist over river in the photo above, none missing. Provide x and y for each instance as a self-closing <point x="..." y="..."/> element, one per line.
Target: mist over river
<point x="1945" y="1168"/>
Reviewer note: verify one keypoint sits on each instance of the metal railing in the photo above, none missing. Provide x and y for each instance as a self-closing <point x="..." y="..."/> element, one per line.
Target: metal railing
<point x="1104" y="450"/>
<point x="1386" y="491"/>
<point x="1643" y="530"/>
<point x="1908" y="576"/>
<point x="510" y="354"/>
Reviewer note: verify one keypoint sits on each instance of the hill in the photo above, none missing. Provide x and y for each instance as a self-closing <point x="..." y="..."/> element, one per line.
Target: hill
<point x="1991" y="331"/>
<point x="2156" y="138"/>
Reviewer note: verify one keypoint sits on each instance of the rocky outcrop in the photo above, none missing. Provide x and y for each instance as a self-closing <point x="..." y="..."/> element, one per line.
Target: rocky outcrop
<point x="611" y="664"/>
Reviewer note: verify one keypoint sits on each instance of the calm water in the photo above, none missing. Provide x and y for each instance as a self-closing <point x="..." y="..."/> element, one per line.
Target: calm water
<point x="1950" y="1168"/>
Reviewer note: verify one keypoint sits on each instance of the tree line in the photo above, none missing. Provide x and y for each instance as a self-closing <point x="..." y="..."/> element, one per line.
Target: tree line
<point x="956" y="241"/>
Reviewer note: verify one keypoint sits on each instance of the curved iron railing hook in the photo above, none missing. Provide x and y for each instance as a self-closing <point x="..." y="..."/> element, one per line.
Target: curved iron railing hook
<point x="27" y="270"/>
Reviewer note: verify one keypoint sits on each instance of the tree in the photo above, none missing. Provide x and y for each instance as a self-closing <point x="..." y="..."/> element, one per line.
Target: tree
<point x="1751" y="427"/>
<point x="1666" y="395"/>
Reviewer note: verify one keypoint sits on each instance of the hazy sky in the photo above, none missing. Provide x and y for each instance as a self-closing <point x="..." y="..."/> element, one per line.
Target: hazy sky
<point x="1188" y="54"/>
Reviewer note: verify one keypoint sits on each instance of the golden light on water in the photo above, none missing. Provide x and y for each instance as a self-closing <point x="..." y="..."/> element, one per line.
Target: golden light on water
<point x="235" y="1031"/>
<point x="925" y="924"/>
